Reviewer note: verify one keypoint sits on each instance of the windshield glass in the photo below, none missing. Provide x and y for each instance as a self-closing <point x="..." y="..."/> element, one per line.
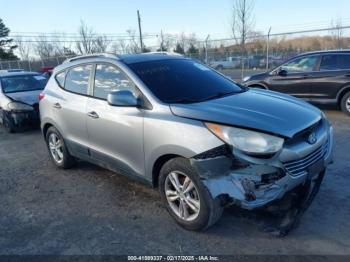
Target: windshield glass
<point x="183" y="80"/>
<point x="22" y="83"/>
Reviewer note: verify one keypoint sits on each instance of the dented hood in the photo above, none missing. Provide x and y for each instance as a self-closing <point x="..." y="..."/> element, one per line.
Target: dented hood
<point x="28" y="97"/>
<point x="263" y="110"/>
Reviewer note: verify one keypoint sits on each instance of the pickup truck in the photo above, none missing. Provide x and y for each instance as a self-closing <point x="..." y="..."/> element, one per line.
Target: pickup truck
<point x="226" y="63"/>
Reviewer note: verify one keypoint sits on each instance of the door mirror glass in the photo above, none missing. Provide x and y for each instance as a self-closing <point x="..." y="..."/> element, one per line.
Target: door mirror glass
<point x="123" y="98"/>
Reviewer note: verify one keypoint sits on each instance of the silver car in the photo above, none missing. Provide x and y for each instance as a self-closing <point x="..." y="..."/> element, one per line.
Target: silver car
<point x="19" y="98"/>
<point x="176" y="124"/>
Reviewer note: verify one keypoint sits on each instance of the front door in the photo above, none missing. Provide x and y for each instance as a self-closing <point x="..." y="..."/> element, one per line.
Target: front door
<point x="115" y="133"/>
<point x="297" y="77"/>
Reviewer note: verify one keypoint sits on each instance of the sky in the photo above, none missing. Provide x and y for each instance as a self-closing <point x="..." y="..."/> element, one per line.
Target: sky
<point x="197" y="16"/>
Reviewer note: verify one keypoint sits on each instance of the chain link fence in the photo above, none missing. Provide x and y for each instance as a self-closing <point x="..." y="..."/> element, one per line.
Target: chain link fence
<point x="259" y="53"/>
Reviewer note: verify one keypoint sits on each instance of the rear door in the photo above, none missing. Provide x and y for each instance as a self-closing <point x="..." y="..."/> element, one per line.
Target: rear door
<point x="298" y="78"/>
<point x="333" y="74"/>
<point x="69" y="107"/>
<point x="115" y="133"/>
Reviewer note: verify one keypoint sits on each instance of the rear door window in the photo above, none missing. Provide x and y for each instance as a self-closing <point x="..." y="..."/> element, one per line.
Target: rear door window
<point x="344" y="61"/>
<point x="335" y="62"/>
<point x="77" y="80"/>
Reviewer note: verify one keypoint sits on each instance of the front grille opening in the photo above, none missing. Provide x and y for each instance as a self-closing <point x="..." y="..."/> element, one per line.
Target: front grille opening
<point x="299" y="167"/>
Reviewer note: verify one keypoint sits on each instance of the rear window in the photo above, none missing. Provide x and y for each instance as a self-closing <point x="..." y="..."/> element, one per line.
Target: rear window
<point x="23" y="83"/>
<point x="183" y="80"/>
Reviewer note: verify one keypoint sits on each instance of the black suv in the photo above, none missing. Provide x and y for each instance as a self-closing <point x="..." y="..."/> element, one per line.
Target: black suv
<point x="319" y="77"/>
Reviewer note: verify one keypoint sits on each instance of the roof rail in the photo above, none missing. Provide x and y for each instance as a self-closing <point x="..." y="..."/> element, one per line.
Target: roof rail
<point x="162" y="53"/>
<point x="11" y="70"/>
<point x="97" y="55"/>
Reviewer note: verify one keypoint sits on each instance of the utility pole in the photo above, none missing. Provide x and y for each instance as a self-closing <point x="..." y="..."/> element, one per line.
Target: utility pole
<point x="267" y="49"/>
<point x="161" y="40"/>
<point x="140" y="32"/>
<point x="206" y="49"/>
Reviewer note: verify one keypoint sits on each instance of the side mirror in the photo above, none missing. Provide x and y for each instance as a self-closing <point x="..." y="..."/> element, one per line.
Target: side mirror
<point x="282" y="72"/>
<point x="123" y="98"/>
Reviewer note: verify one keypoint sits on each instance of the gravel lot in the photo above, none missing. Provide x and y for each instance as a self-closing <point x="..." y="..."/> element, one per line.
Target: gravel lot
<point x="89" y="210"/>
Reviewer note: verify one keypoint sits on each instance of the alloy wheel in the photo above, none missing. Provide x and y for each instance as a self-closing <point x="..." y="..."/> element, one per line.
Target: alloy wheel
<point x="56" y="149"/>
<point x="182" y="196"/>
<point x="347" y="104"/>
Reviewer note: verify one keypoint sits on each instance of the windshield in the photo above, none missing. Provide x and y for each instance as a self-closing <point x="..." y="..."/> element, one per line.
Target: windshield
<point x="22" y="83"/>
<point x="183" y="80"/>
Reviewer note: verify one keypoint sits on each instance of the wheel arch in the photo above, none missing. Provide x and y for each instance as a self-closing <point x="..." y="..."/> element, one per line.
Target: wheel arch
<point x="342" y="92"/>
<point x="258" y="85"/>
<point x="46" y="126"/>
<point x="158" y="164"/>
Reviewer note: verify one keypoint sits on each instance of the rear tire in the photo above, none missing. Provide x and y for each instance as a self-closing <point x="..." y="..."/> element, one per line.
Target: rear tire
<point x="345" y="104"/>
<point x="198" y="210"/>
<point x="58" y="150"/>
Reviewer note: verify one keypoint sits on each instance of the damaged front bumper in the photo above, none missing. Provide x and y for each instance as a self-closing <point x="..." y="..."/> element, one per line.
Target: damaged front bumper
<point x="252" y="182"/>
<point x="19" y="119"/>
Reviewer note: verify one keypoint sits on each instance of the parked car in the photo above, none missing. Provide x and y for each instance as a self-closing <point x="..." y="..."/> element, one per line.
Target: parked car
<point x="19" y="102"/>
<point x="176" y="124"/>
<point x="319" y="77"/>
<point x="226" y="63"/>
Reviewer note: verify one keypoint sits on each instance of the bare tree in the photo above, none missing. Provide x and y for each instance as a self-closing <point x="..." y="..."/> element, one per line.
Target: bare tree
<point x="133" y="46"/>
<point x="86" y="43"/>
<point x="119" y="46"/>
<point x="337" y="33"/>
<point x="101" y="43"/>
<point x="24" y="48"/>
<point x="44" y="47"/>
<point x="242" y="21"/>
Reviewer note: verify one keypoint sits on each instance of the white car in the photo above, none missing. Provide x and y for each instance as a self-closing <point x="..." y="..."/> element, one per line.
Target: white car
<point x="19" y="98"/>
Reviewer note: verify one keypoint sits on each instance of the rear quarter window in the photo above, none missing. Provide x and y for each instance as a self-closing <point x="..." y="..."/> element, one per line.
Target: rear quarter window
<point x="60" y="78"/>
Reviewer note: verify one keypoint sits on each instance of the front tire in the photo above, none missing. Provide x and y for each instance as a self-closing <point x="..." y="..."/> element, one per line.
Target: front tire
<point x="57" y="149"/>
<point x="345" y="103"/>
<point x="8" y="124"/>
<point x="187" y="199"/>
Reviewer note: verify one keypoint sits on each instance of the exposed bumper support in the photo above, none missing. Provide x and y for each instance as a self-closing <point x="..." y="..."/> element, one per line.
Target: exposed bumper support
<point x="254" y="183"/>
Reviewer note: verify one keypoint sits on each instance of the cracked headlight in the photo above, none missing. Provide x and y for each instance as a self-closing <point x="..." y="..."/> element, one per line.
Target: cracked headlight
<point x="16" y="106"/>
<point x="248" y="141"/>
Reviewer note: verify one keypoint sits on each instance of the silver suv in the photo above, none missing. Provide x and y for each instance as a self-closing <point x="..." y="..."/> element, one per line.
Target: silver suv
<point x="179" y="125"/>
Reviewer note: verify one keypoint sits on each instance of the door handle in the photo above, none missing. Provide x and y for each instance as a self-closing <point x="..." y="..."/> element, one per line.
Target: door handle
<point x="57" y="105"/>
<point x="93" y="114"/>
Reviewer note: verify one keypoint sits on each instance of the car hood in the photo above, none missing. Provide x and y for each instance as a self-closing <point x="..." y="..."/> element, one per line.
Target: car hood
<point x="262" y="110"/>
<point x="29" y="97"/>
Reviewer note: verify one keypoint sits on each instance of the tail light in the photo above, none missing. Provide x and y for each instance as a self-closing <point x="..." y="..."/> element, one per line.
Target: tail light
<point x="41" y="96"/>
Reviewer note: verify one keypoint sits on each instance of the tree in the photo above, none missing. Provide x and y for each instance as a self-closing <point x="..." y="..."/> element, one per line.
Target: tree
<point x="24" y="48"/>
<point x="242" y="22"/>
<point x="163" y="42"/>
<point x="179" y="49"/>
<point x="337" y="33"/>
<point x="44" y="47"/>
<point x="6" y="46"/>
<point x="192" y="50"/>
<point x="86" y="43"/>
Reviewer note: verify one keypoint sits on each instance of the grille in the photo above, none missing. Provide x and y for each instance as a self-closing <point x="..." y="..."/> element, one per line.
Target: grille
<point x="299" y="167"/>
